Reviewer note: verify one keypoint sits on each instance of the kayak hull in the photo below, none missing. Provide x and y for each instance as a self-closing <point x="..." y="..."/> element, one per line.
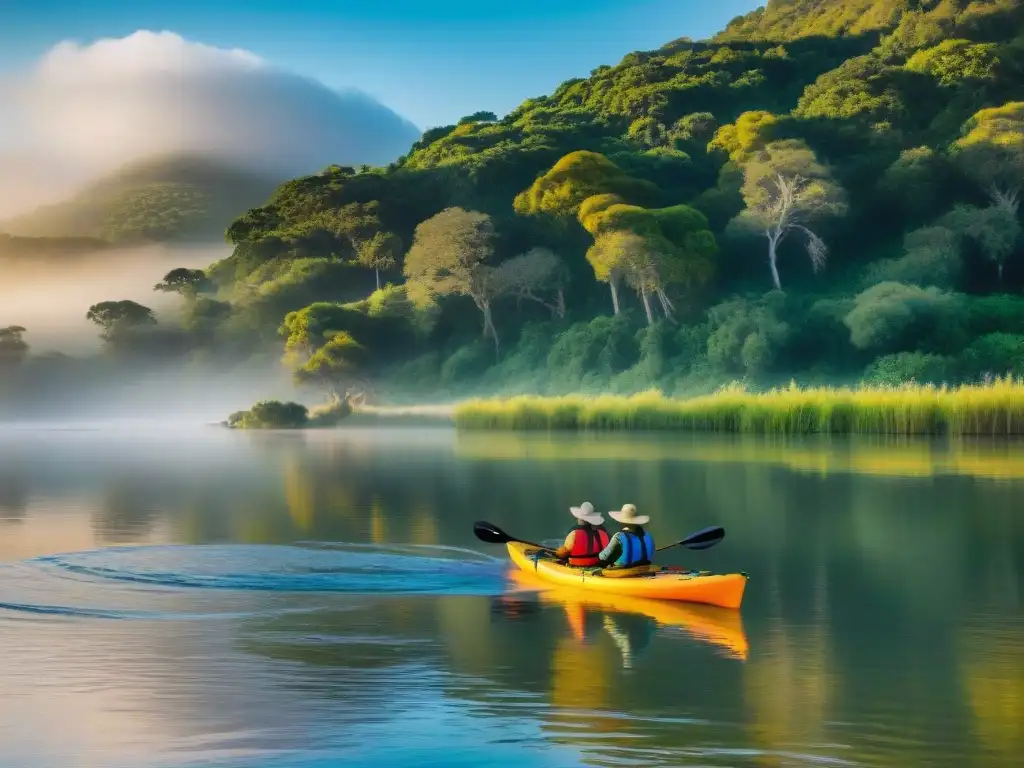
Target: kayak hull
<point x="724" y="590"/>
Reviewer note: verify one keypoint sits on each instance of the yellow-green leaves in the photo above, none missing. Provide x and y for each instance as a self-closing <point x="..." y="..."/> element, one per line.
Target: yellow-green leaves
<point x="992" y="148"/>
<point x="749" y="134"/>
<point x="576" y="177"/>
<point x="953" y="61"/>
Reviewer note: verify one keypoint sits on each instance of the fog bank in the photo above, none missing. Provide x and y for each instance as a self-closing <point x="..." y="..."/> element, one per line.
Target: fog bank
<point x="85" y="110"/>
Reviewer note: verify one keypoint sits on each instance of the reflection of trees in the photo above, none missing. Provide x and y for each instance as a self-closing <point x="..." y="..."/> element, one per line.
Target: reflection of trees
<point x="859" y="581"/>
<point x="127" y="511"/>
<point x="790" y="687"/>
<point x="497" y="654"/>
<point x="993" y="679"/>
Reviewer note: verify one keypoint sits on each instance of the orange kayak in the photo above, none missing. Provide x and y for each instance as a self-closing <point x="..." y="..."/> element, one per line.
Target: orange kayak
<point x="724" y="590"/>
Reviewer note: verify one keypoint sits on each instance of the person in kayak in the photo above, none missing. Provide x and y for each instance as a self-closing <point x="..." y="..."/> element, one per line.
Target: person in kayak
<point x="632" y="545"/>
<point x="587" y="538"/>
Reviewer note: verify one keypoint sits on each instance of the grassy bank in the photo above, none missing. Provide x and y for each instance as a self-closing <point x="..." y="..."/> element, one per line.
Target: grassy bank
<point x="995" y="408"/>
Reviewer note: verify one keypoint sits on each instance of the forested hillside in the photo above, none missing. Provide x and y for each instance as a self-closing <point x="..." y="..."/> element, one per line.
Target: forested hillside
<point x="162" y="199"/>
<point x="827" y="191"/>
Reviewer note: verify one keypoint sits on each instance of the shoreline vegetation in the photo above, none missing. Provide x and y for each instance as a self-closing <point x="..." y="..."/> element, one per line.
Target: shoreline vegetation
<point x="792" y="199"/>
<point x="992" y="408"/>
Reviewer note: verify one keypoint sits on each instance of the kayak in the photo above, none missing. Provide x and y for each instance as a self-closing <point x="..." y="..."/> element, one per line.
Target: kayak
<point x="716" y="626"/>
<point x="659" y="583"/>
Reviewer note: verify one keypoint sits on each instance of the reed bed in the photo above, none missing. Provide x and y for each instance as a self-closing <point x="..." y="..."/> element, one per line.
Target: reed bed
<point x="992" y="408"/>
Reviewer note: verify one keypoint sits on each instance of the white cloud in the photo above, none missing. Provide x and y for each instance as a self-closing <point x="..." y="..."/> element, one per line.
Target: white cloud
<point x="87" y="109"/>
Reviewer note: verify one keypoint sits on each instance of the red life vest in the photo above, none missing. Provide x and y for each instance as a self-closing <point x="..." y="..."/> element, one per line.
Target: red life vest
<point x="587" y="544"/>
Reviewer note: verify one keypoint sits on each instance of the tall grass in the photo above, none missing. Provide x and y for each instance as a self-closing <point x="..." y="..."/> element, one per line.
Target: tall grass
<point x="993" y="408"/>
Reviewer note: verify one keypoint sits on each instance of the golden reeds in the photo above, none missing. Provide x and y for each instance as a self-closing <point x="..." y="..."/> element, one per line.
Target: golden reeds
<point x="994" y="408"/>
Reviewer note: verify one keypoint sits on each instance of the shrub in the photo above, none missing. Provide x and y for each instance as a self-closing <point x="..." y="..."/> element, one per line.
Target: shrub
<point x="893" y="317"/>
<point x="994" y="354"/>
<point x="903" y="367"/>
<point x="271" y="414"/>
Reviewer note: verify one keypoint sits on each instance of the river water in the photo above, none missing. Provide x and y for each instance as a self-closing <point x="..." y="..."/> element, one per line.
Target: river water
<point x="201" y="597"/>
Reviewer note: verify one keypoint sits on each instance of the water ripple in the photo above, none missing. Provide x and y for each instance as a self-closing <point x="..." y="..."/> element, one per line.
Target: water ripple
<point x="149" y="582"/>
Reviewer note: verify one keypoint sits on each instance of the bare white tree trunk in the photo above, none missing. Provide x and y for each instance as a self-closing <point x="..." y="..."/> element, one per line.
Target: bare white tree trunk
<point x="560" y="311"/>
<point x="666" y="305"/>
<point x="774" y="237"/>
<point x="647" y="305"/>
<point x="489" y="329"/>
<point x="377" y="271"/>
<point x="613" y="284"/>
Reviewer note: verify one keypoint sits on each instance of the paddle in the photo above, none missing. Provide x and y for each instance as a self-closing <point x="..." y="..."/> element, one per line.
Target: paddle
<point x="492" y="534"/>
<point x="702" y="539"/>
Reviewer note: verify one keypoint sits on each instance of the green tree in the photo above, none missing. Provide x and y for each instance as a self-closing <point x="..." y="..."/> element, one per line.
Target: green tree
<point x="786" y="190"/>
<point x="995" y="228"/>
<point x="13" y="348"/>
<point x="608" y="257"/>
<point x="185" y="282"/>
<point x="381" y="251"/>
<point x="573" y="179"/>
<point x="450" y="255"/>
<point x="991" y="151"/>
<point x="335" y="366"/>
<point x="483" y="116"/>
<point x="891" y="317"/>
<point x="115" y="317"/>
<point x="535" y="275"/>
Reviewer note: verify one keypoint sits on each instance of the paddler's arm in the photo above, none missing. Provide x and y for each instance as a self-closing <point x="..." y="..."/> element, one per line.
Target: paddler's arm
<point x="611" y="553"/>
<point x="562" y="553"/>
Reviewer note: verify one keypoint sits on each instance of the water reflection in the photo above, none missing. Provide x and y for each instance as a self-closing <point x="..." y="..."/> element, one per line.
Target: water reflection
<point x="882" y="625"/>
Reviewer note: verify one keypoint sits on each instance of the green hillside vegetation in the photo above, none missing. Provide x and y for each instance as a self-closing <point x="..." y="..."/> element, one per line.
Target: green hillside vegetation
<point x="165" y="199"/>
<point x="828" y="191"/>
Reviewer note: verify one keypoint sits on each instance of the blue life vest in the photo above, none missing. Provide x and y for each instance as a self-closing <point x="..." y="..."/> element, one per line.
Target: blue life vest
<point x="636" y="550"/>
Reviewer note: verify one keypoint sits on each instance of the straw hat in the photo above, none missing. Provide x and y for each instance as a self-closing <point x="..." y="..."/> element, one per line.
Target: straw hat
<point x="586" y="513"/>
<point x="628" y="516"/>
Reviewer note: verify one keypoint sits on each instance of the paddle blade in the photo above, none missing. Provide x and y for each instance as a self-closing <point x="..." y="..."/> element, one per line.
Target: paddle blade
<point x="491" y="534"/>
<point x="705" y="538"/>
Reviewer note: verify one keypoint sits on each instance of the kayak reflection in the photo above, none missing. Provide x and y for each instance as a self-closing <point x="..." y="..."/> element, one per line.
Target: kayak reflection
<point x="632" y="621"/>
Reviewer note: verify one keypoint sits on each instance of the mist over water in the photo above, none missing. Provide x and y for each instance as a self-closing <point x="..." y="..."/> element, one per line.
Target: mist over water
<point x="50" y="296"/>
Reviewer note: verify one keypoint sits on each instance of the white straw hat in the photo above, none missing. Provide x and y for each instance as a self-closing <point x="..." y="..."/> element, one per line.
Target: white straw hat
<point x="628" y="516"/>
<point x="585" y="512"/>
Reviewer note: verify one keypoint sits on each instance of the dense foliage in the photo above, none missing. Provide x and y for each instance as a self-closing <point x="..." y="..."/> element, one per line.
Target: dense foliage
<point x="828" y="190"/>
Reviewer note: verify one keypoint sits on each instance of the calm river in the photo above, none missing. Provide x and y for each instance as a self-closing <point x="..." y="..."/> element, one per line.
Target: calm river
<point x="198" y="597"/>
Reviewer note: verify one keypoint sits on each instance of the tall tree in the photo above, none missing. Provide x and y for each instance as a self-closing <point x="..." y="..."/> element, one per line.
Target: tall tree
<point x="115" y="317"/>
<point x="381" y="251"/>
<point x="335" y="366"/>
<point x="608" y="257"/>
<point x="185" y="282"/>
<point x="533" y="275"/>
<point x="786" y="190"/>
<point x="991" y="150"/>
<point x="995" y="228"/>
<point x="449" y="256"/>
<point x="13" y="348"/>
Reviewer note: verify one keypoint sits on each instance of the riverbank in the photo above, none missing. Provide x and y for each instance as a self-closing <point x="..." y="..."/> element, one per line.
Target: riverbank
<point x="994" y="408"/>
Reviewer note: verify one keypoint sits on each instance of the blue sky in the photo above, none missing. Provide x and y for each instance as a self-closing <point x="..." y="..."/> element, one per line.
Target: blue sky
<point x="431" y="61"/>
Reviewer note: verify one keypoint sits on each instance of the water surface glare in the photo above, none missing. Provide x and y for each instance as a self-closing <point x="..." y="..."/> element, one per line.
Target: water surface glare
<point x="200" y="598"/>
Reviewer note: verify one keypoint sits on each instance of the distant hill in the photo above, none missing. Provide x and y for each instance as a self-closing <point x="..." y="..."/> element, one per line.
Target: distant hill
<point x="164" y="199"/>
